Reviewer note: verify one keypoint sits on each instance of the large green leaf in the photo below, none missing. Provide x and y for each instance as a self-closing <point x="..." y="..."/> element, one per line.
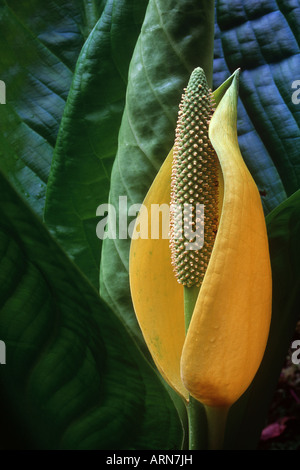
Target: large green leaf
<point x="247" y="417"/>
<point x="73" y="377"/>
<point x="170" y="46"/>
<point x="87" y="141"/>
<point x="39" y="46"/>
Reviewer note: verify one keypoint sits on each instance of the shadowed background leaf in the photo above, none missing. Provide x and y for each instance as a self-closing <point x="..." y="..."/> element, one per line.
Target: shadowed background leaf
<point x="73" y="376"/>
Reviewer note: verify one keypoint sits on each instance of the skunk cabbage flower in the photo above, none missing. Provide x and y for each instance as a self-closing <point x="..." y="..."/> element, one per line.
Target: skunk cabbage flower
<point x="204" y="306"/>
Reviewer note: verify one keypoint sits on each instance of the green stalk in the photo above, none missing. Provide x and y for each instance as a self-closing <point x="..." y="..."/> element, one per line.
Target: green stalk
<point x="196" y="425"/>
<point x="190" y="297"/>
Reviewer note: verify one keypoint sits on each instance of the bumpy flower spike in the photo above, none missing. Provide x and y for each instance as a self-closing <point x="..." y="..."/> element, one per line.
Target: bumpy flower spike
<point x="194" y="181"/>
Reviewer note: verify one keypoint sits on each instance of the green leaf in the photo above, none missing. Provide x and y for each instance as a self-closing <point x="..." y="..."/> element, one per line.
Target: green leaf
<point x="73" y="377"/>
<point x="39" y="46"/>
<point x="169" y="47"/>
<point x="88" y="136"/>
<point x="247" y="416"/>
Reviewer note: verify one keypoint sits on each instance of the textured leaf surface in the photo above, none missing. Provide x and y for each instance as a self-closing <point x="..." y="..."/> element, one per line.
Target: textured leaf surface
<point x="73" y="375"/>
<point x="39" y="46"/>
<point x="248" y="415"/>
<point x="262" y="38"/>
<point x="87" y="141"/>
<point x="169" y="47"/>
